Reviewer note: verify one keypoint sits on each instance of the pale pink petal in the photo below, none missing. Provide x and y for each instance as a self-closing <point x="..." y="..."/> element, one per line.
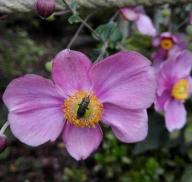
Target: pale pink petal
<point x="81" y="142"/>
<point x="156" y="41"/>
<point x="128" y="125"/>
<point x="175" y="115"/>
<point x="164" y="82"/>
<point x="70" y="71"/>
<point x="177" y="66"/>
<point x="35" y="109"/>
<point x="145" y="25"/>
<point x="190" y="85"/>
<point x="125" y="79"/>
<point x="31" y="92"/>
<point x="183" y="64"/>
<point x="168" y="35"/>
<point x="129" y="14"/>
<point x="38" y="126"/>
<point x="161" y="100"/>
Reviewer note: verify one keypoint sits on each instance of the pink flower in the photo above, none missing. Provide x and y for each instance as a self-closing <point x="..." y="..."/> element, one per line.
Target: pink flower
<point x="45" y="8"/>
<point x="115" y="91"/>
<point x="167" y="44"/>
<point x="142" y="21"/>
<point x="174" y="85"/>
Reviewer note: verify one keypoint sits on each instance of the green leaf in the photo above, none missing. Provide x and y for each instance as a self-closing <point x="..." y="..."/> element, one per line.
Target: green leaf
<point x="108" y="32"/>
<point x="189" y="30"/>
<point x="74" y="5"/>
<point x="188" y="131"/>
<point x="140" y="43"/>
<point x="74" y="19"/>
<point x="156" y="135"/>
<point x="187" y="175"/>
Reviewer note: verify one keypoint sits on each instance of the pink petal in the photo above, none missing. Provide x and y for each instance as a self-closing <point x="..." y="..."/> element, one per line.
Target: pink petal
<point x="156" y="41"/>
<point x="183" y="64"/>
<point x="81" y="142"/>
<point x="177" y="66"/>
<point x="168" y="35"/>
<point x="37" y="126"/>
<point x="35" y="109"/>
<point x="161" y="101"/>
<point x="164" y="82"/>
<point x="128" y="125"/>
<point x="145" y="25"/>
<point x="31" y="92"/>
<point x="129" y="14"/>
<point x="70" y="71"/>
<point x="190" y="85"/>
<point x="125" y="79"/>
<point x="175" y="115"/>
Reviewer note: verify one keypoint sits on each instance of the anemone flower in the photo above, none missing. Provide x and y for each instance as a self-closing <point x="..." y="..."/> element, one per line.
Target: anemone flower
<point x="166" y="45"/>
<point x="174" y="86"/>
<point x="142" y="21"/>
<point x="115" y="91"/>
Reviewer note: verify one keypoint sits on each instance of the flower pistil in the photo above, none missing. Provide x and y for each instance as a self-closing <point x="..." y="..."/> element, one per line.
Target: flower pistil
<point x="167" y="43"/>
<point x="180" y="90"/>
<point x="91" y="113"/>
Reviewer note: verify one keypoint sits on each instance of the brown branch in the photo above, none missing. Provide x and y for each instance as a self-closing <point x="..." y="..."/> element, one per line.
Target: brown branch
<point x="11" y="6"/>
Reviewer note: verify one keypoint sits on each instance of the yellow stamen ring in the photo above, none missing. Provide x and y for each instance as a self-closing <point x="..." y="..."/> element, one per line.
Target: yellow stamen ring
<point x="92" y="115"/>
<point x="180" y="90"/>
<point x="166" y="43"/>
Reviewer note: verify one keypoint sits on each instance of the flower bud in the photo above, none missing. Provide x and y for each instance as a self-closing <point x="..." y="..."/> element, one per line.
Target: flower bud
<point x="45" y="7"/>
<point x="3" y="142"/>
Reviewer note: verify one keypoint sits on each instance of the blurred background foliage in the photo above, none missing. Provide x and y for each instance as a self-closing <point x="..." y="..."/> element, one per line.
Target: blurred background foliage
<point x="28" y="43"/>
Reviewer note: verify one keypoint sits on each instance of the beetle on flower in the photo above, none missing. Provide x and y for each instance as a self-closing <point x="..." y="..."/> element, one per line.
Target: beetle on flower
<point x="174" y="85"/>
<point x="115" y="91"/>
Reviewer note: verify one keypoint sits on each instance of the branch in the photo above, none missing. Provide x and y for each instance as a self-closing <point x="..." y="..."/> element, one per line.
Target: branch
<point x="13" y="6"/>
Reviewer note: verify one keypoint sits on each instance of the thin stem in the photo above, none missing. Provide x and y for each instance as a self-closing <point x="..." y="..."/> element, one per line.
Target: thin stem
<point x="77" y="32"/>
<point x="5" y="126"/>
<point x="103" y="50"/>
<point x="105" y="45"/>
<point x="59" y="13"/>
<point x="181" y="24"/>
<point x="83" y="21"/>
<point x="114" y="16"/>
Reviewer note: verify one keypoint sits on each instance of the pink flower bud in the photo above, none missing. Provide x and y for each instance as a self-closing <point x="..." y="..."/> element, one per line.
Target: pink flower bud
<point x="3" y="142"/>
<point x="45" y="7"/>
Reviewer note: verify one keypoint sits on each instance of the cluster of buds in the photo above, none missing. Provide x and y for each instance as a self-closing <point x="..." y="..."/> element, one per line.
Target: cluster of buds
<point x="45" y="8"/>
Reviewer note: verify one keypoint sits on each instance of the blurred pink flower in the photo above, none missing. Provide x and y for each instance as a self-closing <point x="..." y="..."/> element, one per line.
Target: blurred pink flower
<point x="142" y="21"/>
<point x="174" y="85"/>
<point x="167" y="44"/>
<point x="115" y="91"/>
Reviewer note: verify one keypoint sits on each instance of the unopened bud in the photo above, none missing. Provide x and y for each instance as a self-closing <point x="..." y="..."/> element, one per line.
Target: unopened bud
<point x="45" y="8"/>
<point x="3" y="142"/>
